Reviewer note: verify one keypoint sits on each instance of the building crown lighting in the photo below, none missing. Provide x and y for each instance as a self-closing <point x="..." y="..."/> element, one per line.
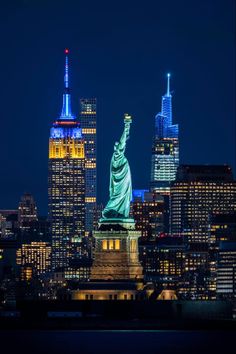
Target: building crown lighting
<point x="66" y="112"/>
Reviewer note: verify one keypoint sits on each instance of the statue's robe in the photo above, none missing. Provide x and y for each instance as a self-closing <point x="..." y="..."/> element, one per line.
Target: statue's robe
<point x="120" y="184"/>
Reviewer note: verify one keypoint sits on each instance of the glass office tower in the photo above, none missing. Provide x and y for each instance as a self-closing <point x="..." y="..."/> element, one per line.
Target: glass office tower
<point x="165" y="148"/>
<point x="88" y="119"/>
<point x="66" y="187"/>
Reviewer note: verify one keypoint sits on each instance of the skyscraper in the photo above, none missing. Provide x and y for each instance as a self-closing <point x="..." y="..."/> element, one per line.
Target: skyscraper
<point x="199" y="192"/>
<point x="66" y="190"/>
<point x="88" y="124"/>
<point x="165" y="148"/>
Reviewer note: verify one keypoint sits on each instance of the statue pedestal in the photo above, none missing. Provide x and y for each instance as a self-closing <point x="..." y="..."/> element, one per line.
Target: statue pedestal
<point x="116" y="255"/>
<point x="116" y="273"/>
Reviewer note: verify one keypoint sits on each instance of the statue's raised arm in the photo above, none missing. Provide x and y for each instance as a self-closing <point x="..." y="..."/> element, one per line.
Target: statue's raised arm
<point x="120" y="189"/>
<point x="125" y="135"/>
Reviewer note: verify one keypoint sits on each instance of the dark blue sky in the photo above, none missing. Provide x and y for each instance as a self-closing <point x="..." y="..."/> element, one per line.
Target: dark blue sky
<point x="120" y="53"/>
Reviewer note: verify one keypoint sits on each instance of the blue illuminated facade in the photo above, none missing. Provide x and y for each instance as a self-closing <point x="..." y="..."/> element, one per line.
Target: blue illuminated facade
<point x="139" y="194"/>
<point x="57" y="132"/>
<point x="163" y="120"/>
<point x="165" y="148"/>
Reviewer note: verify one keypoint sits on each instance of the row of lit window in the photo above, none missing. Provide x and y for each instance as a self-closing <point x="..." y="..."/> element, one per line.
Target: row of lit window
<point x="111" y="245"/>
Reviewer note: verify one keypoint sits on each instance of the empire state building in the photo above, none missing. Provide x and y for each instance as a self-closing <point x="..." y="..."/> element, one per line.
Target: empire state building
<point x="66" y="181"/>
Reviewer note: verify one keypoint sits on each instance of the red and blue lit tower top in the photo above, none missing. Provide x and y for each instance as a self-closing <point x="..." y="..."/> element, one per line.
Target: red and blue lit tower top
<point x="66" y="125"/>
<point x="66" y="112"/>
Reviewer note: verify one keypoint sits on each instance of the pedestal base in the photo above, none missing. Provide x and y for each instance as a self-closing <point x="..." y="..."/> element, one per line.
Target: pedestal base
<point x="114" y="290"/>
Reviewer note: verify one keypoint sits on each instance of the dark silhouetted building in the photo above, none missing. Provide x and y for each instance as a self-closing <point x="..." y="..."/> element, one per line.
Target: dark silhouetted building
<point x="27" y="211"/>
<point x="222" y="228"/>
<point x="9" y="224"/>
<point x="196" y="282"/>
<point x="163" y="262"/>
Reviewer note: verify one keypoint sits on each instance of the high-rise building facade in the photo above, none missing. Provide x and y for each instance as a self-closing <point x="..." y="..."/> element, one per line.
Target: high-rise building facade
<point x="34" y="258"/>
<point x="66" y="188"/>
<point x="88" y="119"/>
<point x="221" y="254"/>
<point x="27" y="211"/>
<point x="148" y="212"/>
<point x="165" y="148"/>
<point x="226" y="271"/>
<point x="199" y="192"/>
<point x="196" y="281"/>
<point x="163" y="261"/>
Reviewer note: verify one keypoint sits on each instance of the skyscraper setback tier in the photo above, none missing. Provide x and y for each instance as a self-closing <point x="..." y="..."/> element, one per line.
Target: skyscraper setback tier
<point x="165" y="148"/>
<point x="198" y="193"/>
<point x="88" y="124"/>
<point x="66" y="181"/>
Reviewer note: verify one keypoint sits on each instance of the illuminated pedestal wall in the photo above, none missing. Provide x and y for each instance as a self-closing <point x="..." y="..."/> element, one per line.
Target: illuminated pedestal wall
<point x="116" y="256"/>
<point x="116" y="273"/>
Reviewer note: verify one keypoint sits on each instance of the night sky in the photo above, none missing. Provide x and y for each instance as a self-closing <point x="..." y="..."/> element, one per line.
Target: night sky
<point x="120" y="53"/>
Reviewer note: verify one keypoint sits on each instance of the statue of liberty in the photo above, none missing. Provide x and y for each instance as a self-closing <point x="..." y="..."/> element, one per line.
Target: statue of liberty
<point x="120" y="189"/>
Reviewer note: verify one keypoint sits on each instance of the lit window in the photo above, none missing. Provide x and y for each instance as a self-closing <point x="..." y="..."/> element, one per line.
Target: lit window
<point x="104" y="244"/>
<point x="117" y="244"/>
<point x="111" y="244"/>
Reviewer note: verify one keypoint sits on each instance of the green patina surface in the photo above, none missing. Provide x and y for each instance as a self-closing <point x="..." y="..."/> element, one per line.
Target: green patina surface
<point x="118" y="206"/>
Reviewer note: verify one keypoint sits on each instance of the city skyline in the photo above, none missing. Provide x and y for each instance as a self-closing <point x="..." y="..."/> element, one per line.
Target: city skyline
<point x="207" y="102"/>
<point x="118" y="179"/>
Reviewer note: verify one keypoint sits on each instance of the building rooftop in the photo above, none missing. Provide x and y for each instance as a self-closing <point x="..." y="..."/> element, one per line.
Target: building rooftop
<point x="209" y="173"/>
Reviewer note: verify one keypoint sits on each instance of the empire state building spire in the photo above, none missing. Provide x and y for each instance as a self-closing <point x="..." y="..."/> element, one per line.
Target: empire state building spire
<point x="66" y="105"/>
